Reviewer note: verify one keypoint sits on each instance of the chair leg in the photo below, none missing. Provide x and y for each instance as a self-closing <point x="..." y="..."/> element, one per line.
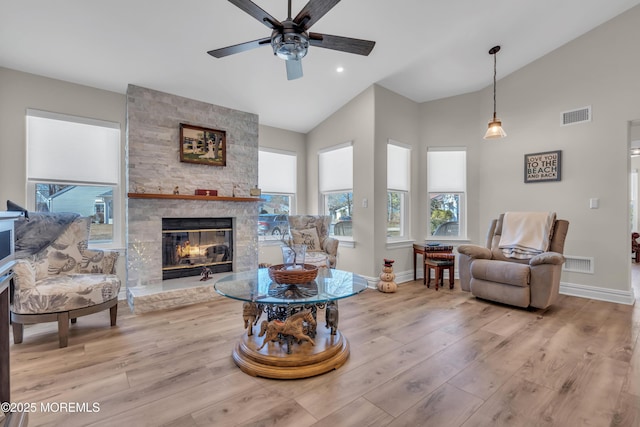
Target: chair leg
<point x="113" y="312"/>
<point x="18" y="331"/>
<point x="63" y="329"/>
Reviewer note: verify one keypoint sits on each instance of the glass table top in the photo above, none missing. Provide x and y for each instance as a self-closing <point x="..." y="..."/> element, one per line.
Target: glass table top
<point x="257" y="286"/>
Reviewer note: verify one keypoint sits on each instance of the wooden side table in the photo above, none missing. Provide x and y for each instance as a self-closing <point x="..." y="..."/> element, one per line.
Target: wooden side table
<point x="428" y="251"/>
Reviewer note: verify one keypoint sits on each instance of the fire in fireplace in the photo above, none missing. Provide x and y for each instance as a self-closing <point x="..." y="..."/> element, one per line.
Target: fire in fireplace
<point x="191" y="244"/>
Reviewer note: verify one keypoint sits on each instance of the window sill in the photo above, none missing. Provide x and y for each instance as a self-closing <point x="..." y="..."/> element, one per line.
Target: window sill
<point x="398" y="244"/>
<point x="270" y="242"/>
<point x="449" y="241"/>
<point x="345" y="242"/>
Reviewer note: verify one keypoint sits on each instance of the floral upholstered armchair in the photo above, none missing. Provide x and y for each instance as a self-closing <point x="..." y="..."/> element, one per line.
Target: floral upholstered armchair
<point x="313" y="231"/>
<point x="57" y="278"/>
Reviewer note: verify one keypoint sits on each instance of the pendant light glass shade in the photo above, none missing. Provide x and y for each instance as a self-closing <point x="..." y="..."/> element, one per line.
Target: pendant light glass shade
<point x="495" y="130"/>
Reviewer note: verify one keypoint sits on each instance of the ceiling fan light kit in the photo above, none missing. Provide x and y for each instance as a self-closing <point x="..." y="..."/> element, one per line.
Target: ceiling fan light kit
<point x="495" y="130"/>
<point x="290" y="46"/>
<point x="290" y="39"/>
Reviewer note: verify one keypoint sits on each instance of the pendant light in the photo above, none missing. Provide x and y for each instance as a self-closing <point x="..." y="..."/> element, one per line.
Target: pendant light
<point x="495" y="130"/>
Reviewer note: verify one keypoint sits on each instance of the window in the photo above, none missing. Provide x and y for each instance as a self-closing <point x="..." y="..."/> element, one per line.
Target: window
<point x="277" y="179"/>
<point x="446" y="185"/>
<point x="336" y="187"/>
<point x="398" y="179"/>
<point x="73" y="165"/>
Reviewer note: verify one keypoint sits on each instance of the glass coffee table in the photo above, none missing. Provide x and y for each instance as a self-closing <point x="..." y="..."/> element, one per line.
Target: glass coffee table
<point x="283" y="338"/>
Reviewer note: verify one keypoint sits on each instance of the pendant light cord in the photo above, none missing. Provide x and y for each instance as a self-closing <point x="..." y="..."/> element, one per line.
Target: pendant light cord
<point x="494" y="85"/>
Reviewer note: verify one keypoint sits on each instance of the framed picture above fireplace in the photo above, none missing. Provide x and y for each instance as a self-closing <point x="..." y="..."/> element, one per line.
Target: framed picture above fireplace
<point x="202" y="145"/>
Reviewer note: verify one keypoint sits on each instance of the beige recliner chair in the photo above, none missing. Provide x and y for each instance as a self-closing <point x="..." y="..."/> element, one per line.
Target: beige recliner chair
<point x="487" y="273"/>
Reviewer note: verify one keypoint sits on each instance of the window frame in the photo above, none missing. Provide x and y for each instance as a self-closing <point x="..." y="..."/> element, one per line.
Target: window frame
<point x="267" y="191"/>
<point x="460" y="190"/>
<point x="324" y="193"/>
<point x="402" y="187"/>
<point x="267" y="238"/>
<point x="116" y="187"/>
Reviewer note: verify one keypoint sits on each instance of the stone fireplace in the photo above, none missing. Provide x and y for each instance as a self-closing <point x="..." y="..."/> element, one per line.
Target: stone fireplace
<point x="154" y="171"/>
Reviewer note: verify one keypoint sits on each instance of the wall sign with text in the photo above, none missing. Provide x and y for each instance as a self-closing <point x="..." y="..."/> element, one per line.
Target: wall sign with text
<point x="539" y="167"/>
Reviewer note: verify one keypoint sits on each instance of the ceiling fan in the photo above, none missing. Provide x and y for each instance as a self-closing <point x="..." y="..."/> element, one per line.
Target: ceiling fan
<point x="290" y="38"/>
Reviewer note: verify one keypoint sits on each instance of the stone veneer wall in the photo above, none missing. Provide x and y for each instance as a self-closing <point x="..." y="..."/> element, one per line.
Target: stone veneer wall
<point x="153" y="164"/>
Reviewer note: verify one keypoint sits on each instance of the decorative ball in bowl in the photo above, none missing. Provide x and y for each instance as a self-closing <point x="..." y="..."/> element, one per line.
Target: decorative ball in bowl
<point x="283" y="274"/>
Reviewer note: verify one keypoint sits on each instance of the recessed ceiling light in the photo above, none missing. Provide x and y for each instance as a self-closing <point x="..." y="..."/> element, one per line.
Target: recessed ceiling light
<point x="340" y="69"/>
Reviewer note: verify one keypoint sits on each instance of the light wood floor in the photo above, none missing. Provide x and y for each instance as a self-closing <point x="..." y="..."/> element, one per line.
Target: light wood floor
<point x="418" y="358"/>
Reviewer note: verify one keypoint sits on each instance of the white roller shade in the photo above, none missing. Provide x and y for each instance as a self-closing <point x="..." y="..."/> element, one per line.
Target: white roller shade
<point x="398" y="167"/>
<point x="64" y="148"/>
<point x="277" y="172"/>
<point x="446" y="171"/>
<point x="336" y="169"/>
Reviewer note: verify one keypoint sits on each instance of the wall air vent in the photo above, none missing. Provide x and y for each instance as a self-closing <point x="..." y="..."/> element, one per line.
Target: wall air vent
<point x="578" y="264"/>
<point x="573" y="117"/>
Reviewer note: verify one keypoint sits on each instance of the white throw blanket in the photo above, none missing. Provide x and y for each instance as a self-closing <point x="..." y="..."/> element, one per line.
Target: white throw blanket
<point x="526" y="234"/>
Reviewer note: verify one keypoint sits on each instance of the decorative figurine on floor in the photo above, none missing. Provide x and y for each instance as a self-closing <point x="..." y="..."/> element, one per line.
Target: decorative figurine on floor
<point x="386" y="283"/>
<point x="205" y="273"/>
<point x="176" y="190"/>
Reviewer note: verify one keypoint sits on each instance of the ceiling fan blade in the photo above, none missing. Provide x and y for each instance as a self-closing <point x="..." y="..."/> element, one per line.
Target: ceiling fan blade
<point x="256" y="11"/>
<point x="294" y="69"/>
<point x="230" y="50"/>
<point x="313" y="11"/>
<point x="344" y="44"/>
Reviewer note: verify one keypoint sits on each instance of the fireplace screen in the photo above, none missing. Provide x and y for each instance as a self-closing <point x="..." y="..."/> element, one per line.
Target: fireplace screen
<point x="191" y="244"/>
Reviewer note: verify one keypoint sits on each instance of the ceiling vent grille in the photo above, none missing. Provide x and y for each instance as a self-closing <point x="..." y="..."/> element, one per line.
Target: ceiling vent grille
<point x="578" y="264"/>
<point x="573" y="117"/>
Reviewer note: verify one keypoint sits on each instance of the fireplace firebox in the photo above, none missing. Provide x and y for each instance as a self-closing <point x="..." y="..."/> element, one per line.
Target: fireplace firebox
<point x="191" y="244"/>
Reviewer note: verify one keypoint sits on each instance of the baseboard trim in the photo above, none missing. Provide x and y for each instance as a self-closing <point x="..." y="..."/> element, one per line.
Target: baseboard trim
<point x="600" y="294"/>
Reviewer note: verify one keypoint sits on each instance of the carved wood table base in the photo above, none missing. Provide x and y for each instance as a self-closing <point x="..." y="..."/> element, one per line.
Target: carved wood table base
<point x="306" y="360"/>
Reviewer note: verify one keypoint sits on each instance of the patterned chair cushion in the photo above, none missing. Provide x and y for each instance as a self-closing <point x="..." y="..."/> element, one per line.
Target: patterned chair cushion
<point x="307" y="237"/>
<point x="66" y="292"/>
<point x="69" y="254"/>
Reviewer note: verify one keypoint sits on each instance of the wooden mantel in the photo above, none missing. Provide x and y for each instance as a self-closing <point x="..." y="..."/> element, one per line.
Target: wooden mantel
<point x="193" y="197"/>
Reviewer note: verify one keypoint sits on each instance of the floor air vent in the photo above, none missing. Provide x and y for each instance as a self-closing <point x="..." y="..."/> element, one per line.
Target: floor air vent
<point x="573" y="117"/>
<point x="578" y="264"/>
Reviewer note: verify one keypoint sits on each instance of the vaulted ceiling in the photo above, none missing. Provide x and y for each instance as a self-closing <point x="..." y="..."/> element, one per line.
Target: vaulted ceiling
<point x="425" y="49"/>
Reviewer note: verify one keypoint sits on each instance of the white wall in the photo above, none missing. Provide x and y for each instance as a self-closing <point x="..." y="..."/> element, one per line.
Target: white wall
<point x="598" y="69"/>
<point x="396" y="118"/>
<point x="353" y="122"/>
